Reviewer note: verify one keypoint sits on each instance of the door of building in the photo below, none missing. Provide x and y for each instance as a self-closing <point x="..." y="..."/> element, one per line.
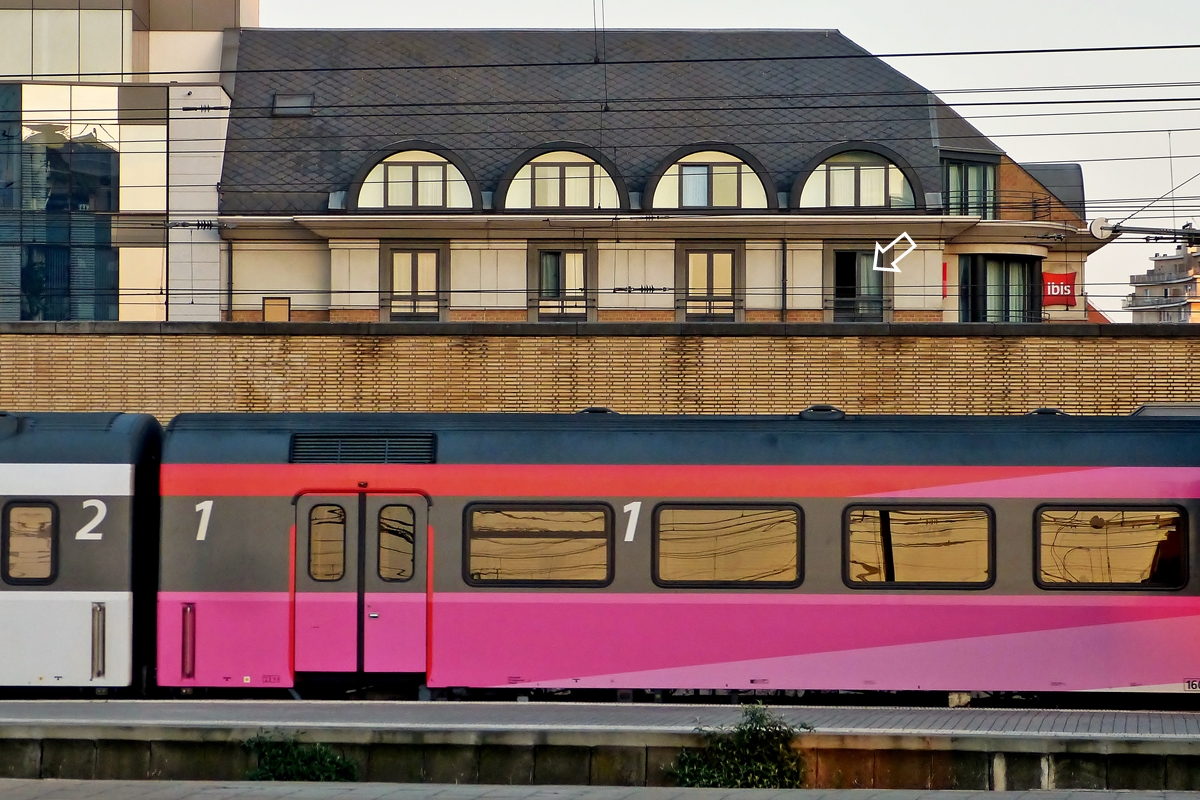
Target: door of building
<point x="360" y="582"/>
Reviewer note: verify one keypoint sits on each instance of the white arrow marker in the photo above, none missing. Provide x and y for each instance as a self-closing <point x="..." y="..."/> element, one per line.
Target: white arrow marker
<point x="895" y="263"/>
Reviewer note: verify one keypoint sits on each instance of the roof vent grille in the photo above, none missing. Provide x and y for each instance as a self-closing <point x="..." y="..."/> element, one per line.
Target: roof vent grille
<point x="404" y="448"/>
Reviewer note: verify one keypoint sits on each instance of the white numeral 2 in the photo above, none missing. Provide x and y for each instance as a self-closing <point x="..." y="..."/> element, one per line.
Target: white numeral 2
<point x="633" y="509"/>
<point x="85" y="533"/>
<point x="205" y="509"/>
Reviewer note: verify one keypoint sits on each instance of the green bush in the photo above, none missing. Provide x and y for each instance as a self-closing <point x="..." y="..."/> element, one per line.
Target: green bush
<point x="755" y="754"/>
<point x="282" y="758"/>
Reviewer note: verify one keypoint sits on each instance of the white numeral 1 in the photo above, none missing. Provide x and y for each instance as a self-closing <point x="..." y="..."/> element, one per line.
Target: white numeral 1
<point x="633" y="509"/>
<point x="205" y="510"/>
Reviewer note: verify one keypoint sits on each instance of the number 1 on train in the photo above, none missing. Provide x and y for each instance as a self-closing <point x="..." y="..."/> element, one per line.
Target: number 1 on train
<point x="633" y="509"/>
<point x="205" y="509"/>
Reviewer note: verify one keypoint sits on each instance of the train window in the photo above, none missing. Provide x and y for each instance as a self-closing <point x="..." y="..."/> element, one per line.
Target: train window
<point x="396" y="540"/>
<point x="1132" y="547"/>
<point x="327" y="543"/>
<point x="539" y="545"/>
<point x="918" y="546"/>
<point x="29" y="543"/>
<point x="703" y="545"/>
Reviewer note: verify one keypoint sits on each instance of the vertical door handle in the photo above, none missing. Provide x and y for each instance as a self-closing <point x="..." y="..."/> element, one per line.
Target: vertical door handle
<point x="188" y="661"/>
<point x="98" y="640"/>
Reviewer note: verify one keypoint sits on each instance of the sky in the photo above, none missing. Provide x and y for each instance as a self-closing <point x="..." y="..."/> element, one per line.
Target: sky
<point x="1129" y="150"/>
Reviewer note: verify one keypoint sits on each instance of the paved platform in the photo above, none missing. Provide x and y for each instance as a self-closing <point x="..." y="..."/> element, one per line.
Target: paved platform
<point x="205" y="790"/>
<point x="586" y="718"/>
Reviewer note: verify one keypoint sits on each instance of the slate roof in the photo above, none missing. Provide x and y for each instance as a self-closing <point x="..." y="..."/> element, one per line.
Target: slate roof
<point x="491" y="95"/>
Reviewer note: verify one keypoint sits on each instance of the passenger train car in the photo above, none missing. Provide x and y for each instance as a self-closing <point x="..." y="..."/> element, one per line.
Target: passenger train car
<point x="604" y="551"/>
<point x="78" y="541"/>
<point x="815" y="551"/>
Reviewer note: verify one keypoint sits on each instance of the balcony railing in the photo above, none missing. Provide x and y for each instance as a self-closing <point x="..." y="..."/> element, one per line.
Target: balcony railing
<point x="857" y="309"/>
<point x="1174" y="276"/>
<point x="1141" y="301"/>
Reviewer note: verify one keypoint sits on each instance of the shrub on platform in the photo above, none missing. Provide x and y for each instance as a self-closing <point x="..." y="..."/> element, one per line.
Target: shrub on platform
<point x="282" y="758"/>
<point x="755" y="754"/>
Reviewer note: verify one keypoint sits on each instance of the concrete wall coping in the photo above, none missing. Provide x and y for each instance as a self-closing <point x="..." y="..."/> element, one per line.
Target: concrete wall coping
<point x="612" y="329"/>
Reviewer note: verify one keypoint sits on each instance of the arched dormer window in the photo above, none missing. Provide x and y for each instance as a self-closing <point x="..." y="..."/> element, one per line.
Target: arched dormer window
<point x="415" y="180"/>
<point x="710" y="179"/>
<point x="857" y="179"/>
<point x="562" y="180"/>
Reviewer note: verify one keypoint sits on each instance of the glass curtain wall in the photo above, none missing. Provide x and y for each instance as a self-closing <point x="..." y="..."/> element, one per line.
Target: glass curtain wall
<point x="67" y="166"/>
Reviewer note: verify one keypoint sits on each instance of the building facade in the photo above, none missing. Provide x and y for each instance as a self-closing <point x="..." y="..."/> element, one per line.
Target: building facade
<point x="165" y="160"/>
<point x="1167" y="292"/>
<point x="113" y="116"/>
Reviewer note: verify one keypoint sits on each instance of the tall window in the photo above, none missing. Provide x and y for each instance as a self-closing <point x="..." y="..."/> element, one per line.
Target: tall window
<point x="857" y="179"/>
<point x="414" y="285"/>
<point x="562" y="286"/>
<point x="710" y="285"/>
<point x="857" y="287"/>
<point x="1098" y="547"/>
<point x="999" y="289"/>
<point x="397" y="538"/>
<point x="971" y="189"/>
<point x="327" y="543"/>
<point x="897" y="546"/>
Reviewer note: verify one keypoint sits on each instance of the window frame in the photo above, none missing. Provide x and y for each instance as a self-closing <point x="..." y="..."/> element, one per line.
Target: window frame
<point x="1108" y="587"/>
<point x="5" y="542"/>
<point x="387" y="251"/>
<point x="561" y="166"/>
<point x="858" y="168"/>
<point x="683" y="251"/>
<point x="740" y="166"/>
<point x="309" y="543"/>
<point x="533" y="281"/>
<point x="772" y="585"/>
<point x="973" y="295"/>
<point x="919" y="585"/>
<point x="609" y="540"/>
<point x="388" y="166"/>
<point x="963" y="207"/>
<point x="379" y="543"/>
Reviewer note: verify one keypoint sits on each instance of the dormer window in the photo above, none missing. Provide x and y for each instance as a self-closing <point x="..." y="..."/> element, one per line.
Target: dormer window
<point x="414" y="180"/>
<point x="562" y="180"/>
<point x="710" y="179"/>
<point x="857" y="179"/>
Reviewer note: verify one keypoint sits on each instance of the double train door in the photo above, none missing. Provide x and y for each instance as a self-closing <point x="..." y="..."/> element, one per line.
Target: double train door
<point x="360" y="583"/>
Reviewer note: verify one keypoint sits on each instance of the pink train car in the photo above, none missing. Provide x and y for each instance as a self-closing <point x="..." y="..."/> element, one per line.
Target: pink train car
<point x="600" y="551"/>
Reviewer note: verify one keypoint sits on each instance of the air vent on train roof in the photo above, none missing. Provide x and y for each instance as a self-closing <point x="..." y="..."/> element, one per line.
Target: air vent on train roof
<point x="399" y="448"/>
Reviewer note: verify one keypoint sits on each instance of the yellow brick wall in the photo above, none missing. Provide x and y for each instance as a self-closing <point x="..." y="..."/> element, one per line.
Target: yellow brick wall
<point x="165" y="374"/>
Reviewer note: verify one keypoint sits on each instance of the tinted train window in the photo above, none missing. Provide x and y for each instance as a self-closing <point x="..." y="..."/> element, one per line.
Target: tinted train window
<point x="29" y="543"/>
<point x="527" y="545"/>
<point x="927" y="546"/>
<point x="1114" y="547"/>
<point x="727" y="544"/>
<point x="396" y="539"/>
<point x="327" y="543"/>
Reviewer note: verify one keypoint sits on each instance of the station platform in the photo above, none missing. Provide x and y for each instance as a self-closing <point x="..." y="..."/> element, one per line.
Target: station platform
<point x="603" y="743"/>
<point x="205" y="790"/>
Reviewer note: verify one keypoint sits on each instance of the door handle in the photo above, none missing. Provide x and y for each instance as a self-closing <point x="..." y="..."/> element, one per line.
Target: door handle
<point x="373" y="616"/>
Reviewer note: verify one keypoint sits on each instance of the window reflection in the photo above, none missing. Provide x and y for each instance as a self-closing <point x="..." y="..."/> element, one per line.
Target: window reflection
<point x="918" y="545"/>
<point x="29" y="545"/>
<point x="539" y="545"/>
<point x="1138" y="547"/>
<point x="728" y="545"/>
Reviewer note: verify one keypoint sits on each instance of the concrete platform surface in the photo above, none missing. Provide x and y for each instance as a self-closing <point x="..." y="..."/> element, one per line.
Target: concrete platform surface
<point x="592" y="718"/>
<point x="206" y="790"/>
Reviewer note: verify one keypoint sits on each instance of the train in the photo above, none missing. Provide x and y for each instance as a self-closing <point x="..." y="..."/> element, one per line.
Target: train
<point x="595" y="551"/>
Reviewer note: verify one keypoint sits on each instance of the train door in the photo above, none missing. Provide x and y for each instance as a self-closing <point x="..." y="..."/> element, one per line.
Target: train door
<point x="360" y="583"/>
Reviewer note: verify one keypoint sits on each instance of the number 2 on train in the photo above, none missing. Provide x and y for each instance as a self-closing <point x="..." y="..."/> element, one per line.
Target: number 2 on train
<point x="205" y="509"/>
<point x="88" y="533"/>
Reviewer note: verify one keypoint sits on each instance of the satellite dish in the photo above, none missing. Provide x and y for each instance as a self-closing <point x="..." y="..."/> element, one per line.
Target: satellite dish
<point x="1100" y="228"/>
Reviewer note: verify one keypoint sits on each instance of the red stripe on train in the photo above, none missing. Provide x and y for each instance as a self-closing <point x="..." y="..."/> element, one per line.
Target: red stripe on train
<point x="579" y="480"/>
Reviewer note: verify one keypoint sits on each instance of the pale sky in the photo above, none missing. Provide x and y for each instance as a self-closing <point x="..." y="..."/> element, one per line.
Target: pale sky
<point x="1114" y="189"/>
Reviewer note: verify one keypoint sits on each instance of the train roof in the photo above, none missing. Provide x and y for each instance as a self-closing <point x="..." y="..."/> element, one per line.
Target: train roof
<point x="818" y="436"/>
<point x="74" y="438"/>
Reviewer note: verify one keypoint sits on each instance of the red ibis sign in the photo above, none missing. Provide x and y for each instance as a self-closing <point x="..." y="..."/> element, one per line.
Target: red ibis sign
<point x="1058" y="288"/>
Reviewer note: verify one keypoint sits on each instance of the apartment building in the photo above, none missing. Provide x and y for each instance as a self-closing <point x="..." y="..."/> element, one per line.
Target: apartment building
<point x="1167" y="292"/>
<point x="165" y="159"/>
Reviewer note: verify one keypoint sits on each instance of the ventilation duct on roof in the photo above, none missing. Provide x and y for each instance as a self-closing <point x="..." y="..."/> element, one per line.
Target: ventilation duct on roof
<point x="404" y="448"/>
<point x="292" y="105"/>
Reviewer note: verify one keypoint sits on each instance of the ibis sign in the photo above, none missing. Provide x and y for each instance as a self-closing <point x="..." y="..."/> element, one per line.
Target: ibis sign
<point x="1058" y="288"/>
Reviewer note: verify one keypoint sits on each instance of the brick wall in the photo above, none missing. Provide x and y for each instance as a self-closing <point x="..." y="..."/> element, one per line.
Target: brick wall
<point x="167" y="369"/>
